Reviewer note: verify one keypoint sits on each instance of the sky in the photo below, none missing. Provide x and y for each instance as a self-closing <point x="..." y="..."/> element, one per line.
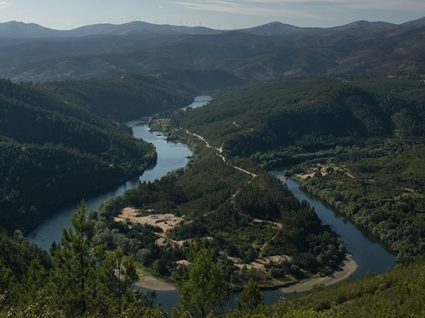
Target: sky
<point x="221" y="14"/>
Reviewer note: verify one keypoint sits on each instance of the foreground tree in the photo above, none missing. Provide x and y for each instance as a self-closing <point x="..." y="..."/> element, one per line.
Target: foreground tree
<point x="80" y="279"/>
<point x="251" y="297"/>
<point x="75" y="267"/>
<point x="87" y="280"/>
<point x="124" y="275"/>
<point x="206" y="290"/>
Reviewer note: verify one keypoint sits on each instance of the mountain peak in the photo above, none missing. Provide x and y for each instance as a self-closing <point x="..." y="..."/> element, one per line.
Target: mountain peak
<point x="363" y="24"/>
<point x="21" y="24"/>
<point x="272" y="29"/>
<point x="274" y="23"/>
<point x="18" y="29"/>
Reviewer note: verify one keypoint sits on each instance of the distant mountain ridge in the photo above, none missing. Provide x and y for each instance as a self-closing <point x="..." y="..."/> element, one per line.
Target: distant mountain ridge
<point x="15" y="29"/>
<point x="260" y="53"/>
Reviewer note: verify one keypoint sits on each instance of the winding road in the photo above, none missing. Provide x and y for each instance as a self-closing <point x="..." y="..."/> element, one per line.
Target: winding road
<point x="349" y="266"/>
<point x="219" y="152"/>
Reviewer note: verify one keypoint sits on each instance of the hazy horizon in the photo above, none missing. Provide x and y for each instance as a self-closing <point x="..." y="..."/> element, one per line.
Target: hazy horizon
<point x="242" y="27"/>
<point x="218" y="14"/>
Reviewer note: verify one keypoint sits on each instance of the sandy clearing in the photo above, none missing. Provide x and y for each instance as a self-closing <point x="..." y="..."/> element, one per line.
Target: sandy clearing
<point x="152" y="283"/>
<point x="305" y="176"/>
<point x="165" y="222"/>
<point x="323" y="169"/>
<point x="349" y="267"/>
<point x="260" y="264"/>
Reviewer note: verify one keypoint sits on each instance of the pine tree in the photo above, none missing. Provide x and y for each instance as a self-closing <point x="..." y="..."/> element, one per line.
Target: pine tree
<point x="87" y="279"/>
<point x="34" y="282"/>
<point x="75" y="266"/>
<point x="6" y="277"/>
<point x="6" y="284"/>
<point x="206" y="288"/>
<point x="118" y="274"/>
<point x="251" y="297"/>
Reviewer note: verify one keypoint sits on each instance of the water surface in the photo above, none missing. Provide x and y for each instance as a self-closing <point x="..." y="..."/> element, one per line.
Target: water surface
<point x="200" y="101"/>
<point x="370" y="256"/>
<point x="171" y="156"/>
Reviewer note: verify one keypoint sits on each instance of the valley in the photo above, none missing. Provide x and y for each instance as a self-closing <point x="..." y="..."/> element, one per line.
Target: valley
<point x="358" y="131"/>
<point x="190" y="225"/>
<point x="166" y="295"/>
<point x="51" y="141"/>
<point x="176" y="171"/>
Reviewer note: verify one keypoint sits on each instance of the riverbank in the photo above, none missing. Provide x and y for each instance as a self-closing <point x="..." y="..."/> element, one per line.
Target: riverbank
<point x="348" y="269"/>
<point x="147" y="281"/>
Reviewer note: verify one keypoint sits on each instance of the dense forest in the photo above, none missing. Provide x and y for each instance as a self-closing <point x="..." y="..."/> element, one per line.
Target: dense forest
<point x="256" y="228"/>
<point x="308" y="115"/>
<point x="123" y="96"/>
<point x="259" y="53"/>
<point x="50" y="147"/>
<point x="380" y="188"/>
<point x="209" y="228"/>
<point x="397" y="294"/>
<point x="355" y="143"/>
<point x="222" y="228"/>
<point x="82" y="279"/>
<point x="79" y="278"/>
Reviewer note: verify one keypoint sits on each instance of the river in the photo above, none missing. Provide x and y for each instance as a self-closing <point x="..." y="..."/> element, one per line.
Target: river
<point x="171" y="156"/>
<point x="369" y="255"/>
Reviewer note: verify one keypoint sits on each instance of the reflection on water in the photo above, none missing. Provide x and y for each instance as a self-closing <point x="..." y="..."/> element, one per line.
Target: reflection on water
<point x="370" y="256"/>
<point x="171" y="156"/>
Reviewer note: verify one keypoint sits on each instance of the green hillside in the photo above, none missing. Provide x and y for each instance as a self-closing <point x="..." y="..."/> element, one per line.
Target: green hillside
<point x="254" y="226"/>
<point x="397" y="294"/>
<point x="51" y="149"/>
<point x="77" y="279"/>
<point x="308" y="113"/>
<point x="355" y="143"/>
<point x="381" y="188"/>
<point x="123" y="97"/>
<point x="16" y="256"/>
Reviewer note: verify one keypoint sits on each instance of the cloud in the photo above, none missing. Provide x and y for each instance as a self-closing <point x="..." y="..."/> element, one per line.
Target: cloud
<point x="360" y="4"/>
<point x="4" y="4"/>
<point x="244" y="8"/>
<point x="299" y="8"/>
<point x="394" y="5"/>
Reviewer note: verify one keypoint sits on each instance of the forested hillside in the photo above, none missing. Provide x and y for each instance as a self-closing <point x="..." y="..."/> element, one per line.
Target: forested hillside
<point x="50" y="149"/>
<point x="301" y="178"/>
<point x="16" y="256"/>
<point x="397" y="294"/>
<point x="309" y="114"/>
<point x="78" y="279"/>
<point x="254" y="227"/>
<point x="380" y="187"/>
<point x="261" y="53"/>
<point x="33" y="284"/>
<point x="355" y="143"/>
<point x="123" y="97"/>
